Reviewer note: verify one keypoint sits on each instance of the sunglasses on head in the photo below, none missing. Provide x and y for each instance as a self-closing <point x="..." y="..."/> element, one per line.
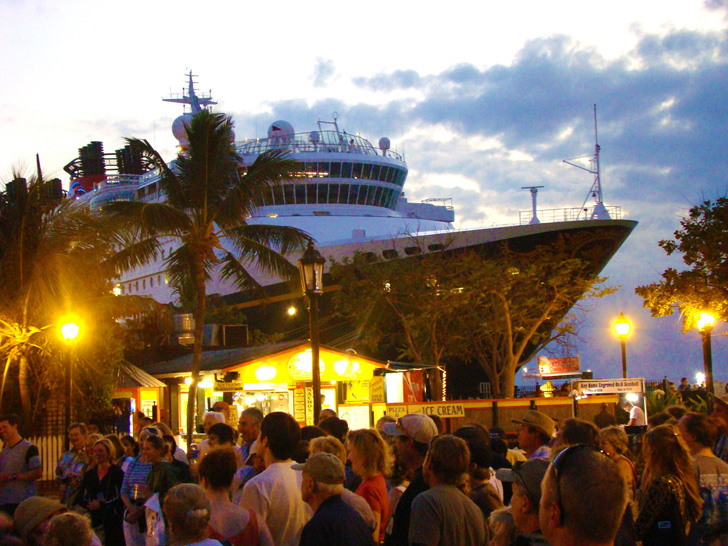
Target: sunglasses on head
<point x="561" y="463"/>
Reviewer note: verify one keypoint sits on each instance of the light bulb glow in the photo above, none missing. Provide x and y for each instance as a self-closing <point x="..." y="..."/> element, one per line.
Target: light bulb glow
<point x="705" y="321"/>
<point x="700" y="378"/>
<point x="69" y="331"/>
<point x="622" y="326"/>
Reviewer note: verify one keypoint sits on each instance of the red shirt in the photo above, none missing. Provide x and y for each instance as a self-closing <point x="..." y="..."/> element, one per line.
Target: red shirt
<point x="374" y="491"/>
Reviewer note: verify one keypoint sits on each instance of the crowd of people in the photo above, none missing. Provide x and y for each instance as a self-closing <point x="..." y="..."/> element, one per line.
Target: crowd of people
<point x="405" y="482"/>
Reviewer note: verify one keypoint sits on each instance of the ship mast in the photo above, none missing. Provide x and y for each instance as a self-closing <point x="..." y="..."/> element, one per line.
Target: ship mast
<point x="600" y="211"/>
<point x="195" y="101"/>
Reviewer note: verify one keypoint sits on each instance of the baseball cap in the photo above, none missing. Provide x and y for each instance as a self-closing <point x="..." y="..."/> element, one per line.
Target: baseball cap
<point x="527" y="475"/>
<point x="539" y="421"/>
<point x="323" y="468"/>
<point x="417" y="426"/>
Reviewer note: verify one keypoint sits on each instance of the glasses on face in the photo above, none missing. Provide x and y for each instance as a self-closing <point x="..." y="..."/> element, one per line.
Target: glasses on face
<point x="517" y="473"/>
<point x="560" y="463"/>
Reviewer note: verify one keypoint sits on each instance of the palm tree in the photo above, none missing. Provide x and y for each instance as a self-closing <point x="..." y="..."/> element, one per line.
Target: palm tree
<point x="208" y="199"/>
<point x="55" y="256"/>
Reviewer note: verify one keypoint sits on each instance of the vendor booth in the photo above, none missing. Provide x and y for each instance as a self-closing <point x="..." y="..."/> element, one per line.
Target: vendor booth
<point x="276" y="377"/>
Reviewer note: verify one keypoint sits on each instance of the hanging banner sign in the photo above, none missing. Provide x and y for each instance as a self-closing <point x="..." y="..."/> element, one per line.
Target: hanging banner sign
<point x="397" y="411"/>
<point x="610" y="386"/>
<point x="443" y="410"/>
<point x="228" y="386"/>
<point x="558" y="367"/>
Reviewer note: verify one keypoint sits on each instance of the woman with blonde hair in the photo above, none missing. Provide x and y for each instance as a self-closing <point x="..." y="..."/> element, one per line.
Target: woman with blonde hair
<point x="371" y="460"/>
<point x="670" y="501"/>
<point x="614" y="445"/>
<point x="329" y="444"/>
<point x="187" y="511"/>
<point x="100" y="494"/>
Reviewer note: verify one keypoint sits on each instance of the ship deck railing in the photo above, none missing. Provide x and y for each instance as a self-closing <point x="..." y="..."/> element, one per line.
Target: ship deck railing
<point x="328" y="142"/>
<point x="567" y="214"/>
<point x="115" y="180"/>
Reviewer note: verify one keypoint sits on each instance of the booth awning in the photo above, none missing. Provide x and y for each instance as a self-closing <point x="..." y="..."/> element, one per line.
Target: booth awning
<point x="293" y="364"/>
<point x="278" y="363"/>
<point x="132" y="377"/>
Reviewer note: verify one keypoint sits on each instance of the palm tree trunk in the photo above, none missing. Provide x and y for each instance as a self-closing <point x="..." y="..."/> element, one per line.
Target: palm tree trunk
<point x="23" y="380"/>
<point x="199" y="276"/>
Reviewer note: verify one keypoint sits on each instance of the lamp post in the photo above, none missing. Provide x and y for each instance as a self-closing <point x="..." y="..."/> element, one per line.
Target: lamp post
<point x="705" y="325"/>
<point x="311" y="266"/>
<point x="69" y="333"/>
<point x="622" y="327"/>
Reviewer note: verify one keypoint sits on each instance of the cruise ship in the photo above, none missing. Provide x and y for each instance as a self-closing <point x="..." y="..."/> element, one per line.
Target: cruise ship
<point x="348" y="196"/>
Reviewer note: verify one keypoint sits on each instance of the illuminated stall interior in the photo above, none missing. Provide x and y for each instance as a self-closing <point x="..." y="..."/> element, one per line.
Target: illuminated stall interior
<point x="136" y="390"/>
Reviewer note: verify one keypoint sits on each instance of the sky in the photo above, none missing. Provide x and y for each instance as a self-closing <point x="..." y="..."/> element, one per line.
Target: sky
<point x="483" y="98"/>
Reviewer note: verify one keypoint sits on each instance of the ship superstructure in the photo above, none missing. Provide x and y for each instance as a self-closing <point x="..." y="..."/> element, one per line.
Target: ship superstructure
<point x="348" y="196"/>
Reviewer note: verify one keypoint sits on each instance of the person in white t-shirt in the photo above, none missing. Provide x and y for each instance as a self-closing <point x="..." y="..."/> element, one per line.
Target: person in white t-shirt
<point x="275" y="493"/>
<point x="636" y="415"/>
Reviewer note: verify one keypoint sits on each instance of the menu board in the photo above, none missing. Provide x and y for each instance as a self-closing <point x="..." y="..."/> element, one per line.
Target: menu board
<point x="299" y="405"/>
<point x="356" y="416"/>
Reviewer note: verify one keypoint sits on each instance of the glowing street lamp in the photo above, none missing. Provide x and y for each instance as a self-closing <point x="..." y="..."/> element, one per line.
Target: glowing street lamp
<point x="69" y="332"/>
<point x="706" y="321"/>
<point x="311" y="266"/>
<point x="622" y="327"/>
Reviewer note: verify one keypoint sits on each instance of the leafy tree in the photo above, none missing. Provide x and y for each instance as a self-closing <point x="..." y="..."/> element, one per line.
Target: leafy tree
<point x="208" y="197"/>
<point x="496" y="310"/>
<point x="703" y="242"/>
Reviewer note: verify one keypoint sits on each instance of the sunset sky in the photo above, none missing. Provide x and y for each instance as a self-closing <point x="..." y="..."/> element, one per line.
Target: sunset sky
<point x="482" y="97"/>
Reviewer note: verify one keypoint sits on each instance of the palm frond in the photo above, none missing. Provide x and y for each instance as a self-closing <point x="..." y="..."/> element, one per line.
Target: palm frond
<point x="169" y="182"/>
<point x="231" y="269"/>
<point x="256" y="249"/>
<point x="160" y="219"/>
<point x="118" y="307"/>
<point x="133" y="254"/>
<point x="283" y="239"/>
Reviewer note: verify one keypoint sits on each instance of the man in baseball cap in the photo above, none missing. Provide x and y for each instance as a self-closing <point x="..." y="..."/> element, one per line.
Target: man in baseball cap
<point x="526" y="479"/>
<point x="535" y="431"/>
<point x="334" y="521"/>
<point x="412" y="435"/>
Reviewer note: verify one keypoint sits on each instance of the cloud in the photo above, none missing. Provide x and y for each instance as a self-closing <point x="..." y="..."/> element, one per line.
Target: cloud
<point x="323" y="72"/>
<point x="399" y="79"/>
<point x="661" y="108"/>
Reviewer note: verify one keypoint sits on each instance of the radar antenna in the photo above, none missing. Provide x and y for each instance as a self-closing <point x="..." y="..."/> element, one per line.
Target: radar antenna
<point x="534" y="194"/>
<point x="191" y="98"/>
<point x="600" y="211"/>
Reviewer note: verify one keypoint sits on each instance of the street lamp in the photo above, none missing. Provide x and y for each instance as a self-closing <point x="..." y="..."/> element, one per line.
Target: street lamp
<point x="69" y="332"/>
<point x="622" y="327"/>
<point x="311" y="266"/>
<point x="706" y="321"/>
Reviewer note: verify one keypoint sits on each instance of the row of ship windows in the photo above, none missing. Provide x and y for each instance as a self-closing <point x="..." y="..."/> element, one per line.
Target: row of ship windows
<point x="388" y="254"/>
<point x="134" y="287"/>
<point x="347" y="169"/>
<point x="331" y="169"/>
<point x="342" y="194"/>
